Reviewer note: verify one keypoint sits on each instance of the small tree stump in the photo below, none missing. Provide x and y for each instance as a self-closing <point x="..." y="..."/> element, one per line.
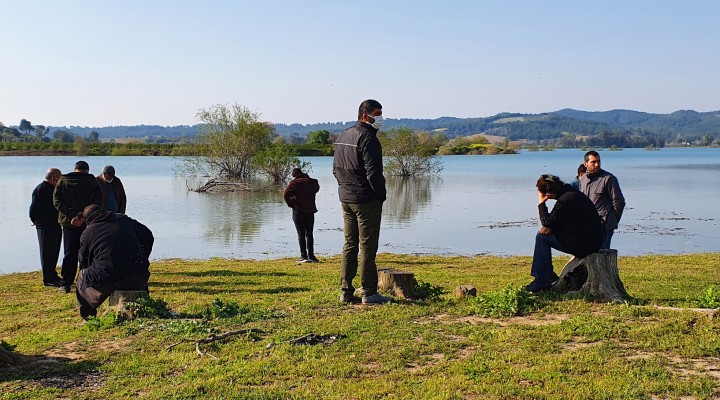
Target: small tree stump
<point x="596" y="275"/>
<point x="398" y="283"/>
<point x="119" y="298"/>
<point x="465" y="291"/>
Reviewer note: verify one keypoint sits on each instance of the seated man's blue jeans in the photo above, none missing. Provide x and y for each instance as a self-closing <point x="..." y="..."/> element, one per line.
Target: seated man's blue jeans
<point x="542" y="268"/>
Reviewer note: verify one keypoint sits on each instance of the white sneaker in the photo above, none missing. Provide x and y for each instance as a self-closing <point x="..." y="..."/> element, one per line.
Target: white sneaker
<point x="376" y="298"/>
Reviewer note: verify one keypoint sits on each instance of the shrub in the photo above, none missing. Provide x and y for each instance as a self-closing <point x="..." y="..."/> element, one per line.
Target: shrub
<point x="710" y="298"/>
<point x="425" y="290"/>
<point x="146" y="307"/>
<point x="508" y="302"/>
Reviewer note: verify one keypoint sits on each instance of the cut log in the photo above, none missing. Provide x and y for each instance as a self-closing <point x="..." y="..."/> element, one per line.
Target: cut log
<point x="120" y="297"/>
<point x="398" y="283"/>
<point x="595" y="275"/>
<point x="465" y="291"/>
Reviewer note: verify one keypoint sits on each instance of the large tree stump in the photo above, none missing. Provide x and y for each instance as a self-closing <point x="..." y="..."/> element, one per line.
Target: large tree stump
<point x="398" y="283"/>
<point x="595" y="275"/>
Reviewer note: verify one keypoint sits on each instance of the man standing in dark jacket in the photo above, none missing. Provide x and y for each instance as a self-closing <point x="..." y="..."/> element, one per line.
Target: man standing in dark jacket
<point x="300" y="196"/>
<point x="114" y="255"/>
<point x="45" y="218"/>
<point x="573" y="226"/>
<point x="604" y="191"/>
<point x="113" y="192"/>
<point x="74" y="192"/>
<point x="358" y="168"/>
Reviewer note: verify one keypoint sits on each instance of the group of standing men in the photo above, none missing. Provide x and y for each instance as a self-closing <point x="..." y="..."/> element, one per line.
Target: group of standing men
<point x="86" y="213"/>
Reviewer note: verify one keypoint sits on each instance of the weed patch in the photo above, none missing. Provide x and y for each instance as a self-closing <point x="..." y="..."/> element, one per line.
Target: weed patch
<point x="709" y="298"/>
<point x="509" y="302"/>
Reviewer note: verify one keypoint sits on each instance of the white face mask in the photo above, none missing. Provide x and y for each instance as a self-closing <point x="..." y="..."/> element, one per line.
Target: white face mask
<point x="378" y="121"/>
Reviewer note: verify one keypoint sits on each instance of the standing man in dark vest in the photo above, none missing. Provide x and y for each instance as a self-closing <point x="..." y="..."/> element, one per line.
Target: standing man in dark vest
<point x="74" y="192"/>
<point x="113" y="191"/>
<point x="300" y="196"/>
<point x="358" y="168"/>
<point x="45" y="218"/>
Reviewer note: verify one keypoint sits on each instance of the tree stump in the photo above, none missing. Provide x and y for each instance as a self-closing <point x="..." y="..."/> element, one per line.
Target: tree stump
<point x="398" y="283"/>
<point x="465" y="291"/>
<point x="595" y="275"/>
<point x="119" y="298"/>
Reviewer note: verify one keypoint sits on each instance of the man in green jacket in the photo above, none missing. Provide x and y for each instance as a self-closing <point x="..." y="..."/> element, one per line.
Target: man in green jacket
<point x="74" y="192"/>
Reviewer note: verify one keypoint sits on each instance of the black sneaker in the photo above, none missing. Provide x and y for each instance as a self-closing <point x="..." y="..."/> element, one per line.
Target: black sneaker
<point x="302" y="260"/>
<point x="55" y="284"/>
<point x="64" y="289"/>
<point x="312" y="259"/>
<point x="538" y="286"/>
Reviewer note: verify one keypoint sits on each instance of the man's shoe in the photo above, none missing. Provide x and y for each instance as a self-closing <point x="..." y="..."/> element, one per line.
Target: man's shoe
<point x="538" y="286"/>
<point x="302" y="260"/>
<point x="312" y="259"/>
<point x="346" y="298"/>
<point x="64" y="289"/>
<point x="56" y="284"/>
<point x="376" y="298"/>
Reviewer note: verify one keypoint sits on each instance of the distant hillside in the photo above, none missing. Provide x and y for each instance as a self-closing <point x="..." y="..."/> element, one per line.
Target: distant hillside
<point x="549" y="127"/>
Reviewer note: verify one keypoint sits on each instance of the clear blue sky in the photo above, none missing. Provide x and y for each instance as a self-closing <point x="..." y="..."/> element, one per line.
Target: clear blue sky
<point x="101" y="63"/>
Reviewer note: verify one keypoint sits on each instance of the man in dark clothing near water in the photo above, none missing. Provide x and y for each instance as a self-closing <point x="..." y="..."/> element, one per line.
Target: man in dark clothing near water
<point x="74" y="192"/>
<point x="300" y="196"/>
<point x="113" y="191"/>
<point x="604" y="191"/>
<point x="358" y="168"/>
<point x="45" y="218"/>
<point x="573" y="226"/>
<point x="114" y="255"/>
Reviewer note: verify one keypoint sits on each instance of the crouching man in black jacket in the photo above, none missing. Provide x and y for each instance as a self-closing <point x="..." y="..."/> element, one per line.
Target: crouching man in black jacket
<point x="114" y="255"/>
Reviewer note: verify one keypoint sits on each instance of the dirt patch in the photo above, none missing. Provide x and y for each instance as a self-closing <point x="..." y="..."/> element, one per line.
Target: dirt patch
<point x="84" y="381"/>
<point x="709" y="366"/>
<point x="575" y="346"/>
<point x="530" y="320"/>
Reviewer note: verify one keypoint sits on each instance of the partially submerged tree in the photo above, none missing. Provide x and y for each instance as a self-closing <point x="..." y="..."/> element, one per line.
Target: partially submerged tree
<point x="277" y="161"/>
<point x="234" y="144"/>
<point x="409" y="153"/>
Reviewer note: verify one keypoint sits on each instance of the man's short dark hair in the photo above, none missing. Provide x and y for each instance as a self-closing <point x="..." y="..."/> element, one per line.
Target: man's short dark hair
<point x="296" y="172"/>
<point x="89" y="210"/>
<point x="548" y="183"/>
<point x="591" y="153"/>
<point x="82" y="166"/>
<point x="582" y="169"/>
<point x="368" y="107"/>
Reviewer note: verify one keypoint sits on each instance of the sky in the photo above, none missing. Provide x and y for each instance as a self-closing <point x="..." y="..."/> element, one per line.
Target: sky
<point x="156" y="62"/>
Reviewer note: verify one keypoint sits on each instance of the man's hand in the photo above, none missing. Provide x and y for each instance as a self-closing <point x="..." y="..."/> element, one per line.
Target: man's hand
<point x="77" y="222"/>
<point x="542" y="198"/>
<point x="545" y="231"/>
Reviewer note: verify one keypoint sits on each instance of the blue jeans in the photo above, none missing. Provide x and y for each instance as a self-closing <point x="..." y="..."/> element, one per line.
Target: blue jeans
<point x="542" y="268"/>
<point x="608" y="237"/>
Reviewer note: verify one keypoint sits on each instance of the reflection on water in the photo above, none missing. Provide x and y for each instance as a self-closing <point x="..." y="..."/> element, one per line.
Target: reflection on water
<point x="406" y="196"/>
<point x="239" y="216"/>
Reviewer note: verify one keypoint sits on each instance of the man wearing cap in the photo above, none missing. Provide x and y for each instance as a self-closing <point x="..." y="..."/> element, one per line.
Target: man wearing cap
<point x="300" y="196"/>
<point x="74" y="192"/>
<point x="113" y="192"/>
<point x="44" y="216"/>
<point x="358" y="168"/>
<point x="114" y="255"/>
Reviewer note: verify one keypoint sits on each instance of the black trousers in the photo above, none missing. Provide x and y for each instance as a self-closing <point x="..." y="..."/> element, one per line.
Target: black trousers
<point x="71" y="245"/>
<point x="49" y="239"/>
<point x="304" y="225"/>
<point x="90" y="298"/>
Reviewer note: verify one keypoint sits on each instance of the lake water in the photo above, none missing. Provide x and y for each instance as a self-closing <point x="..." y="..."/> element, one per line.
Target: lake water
<point x="478" y="205"/>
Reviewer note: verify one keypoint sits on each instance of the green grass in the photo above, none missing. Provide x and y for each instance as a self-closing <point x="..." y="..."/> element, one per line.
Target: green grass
<point x="554" y="347"/>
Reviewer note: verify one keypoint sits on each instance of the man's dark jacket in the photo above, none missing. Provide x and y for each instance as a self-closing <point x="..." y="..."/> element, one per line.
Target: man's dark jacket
<point x="114" y="247"/>
<point x="300" y="194"/>
<point x="117" y="189"/>
<point x="74" y="192"/>
<point x="42" y="211"/>
<point x="575" y="222"/>
<point x="358" y="165"/>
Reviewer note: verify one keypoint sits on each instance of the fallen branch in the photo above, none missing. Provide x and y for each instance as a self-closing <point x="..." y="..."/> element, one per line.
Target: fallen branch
<point x="213" y="338"/>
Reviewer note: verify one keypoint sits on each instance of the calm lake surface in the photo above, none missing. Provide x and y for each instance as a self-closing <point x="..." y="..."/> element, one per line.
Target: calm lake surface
<point x="478" y="205"/>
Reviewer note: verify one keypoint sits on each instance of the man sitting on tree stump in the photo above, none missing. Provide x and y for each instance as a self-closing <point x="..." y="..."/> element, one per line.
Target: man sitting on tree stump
<point x="573" y="226"/>
<point x="114" y="255"/>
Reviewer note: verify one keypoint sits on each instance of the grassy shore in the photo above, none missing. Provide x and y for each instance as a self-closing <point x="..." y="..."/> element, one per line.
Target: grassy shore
<point x="653" y="347"/>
